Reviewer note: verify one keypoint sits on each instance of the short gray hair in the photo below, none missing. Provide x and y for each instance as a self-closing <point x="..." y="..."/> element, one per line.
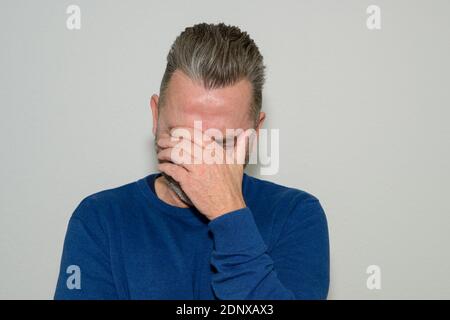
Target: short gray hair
<point x="216" y="55"/>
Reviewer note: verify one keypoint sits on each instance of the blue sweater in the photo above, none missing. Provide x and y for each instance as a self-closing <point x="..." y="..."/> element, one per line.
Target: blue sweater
<point x="126" y="243"/>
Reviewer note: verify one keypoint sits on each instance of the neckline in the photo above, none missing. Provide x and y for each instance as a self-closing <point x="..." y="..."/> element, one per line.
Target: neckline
<point x="185" y="213"/>
<point x="189" y="213"/>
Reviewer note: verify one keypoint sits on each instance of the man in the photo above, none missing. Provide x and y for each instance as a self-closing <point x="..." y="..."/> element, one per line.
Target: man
<point x="200" y="230"/>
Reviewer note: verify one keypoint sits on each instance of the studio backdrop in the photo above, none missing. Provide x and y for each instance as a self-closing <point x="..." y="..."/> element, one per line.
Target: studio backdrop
<point x="358" y="91"/>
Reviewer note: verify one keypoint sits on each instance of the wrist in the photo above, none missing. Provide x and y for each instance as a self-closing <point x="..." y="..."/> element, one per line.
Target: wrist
<point x="236" y="205"/>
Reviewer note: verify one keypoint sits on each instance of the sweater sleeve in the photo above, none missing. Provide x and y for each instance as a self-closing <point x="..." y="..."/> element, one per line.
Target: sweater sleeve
<point x="85" y="271"/>
<point x="296" y="268"/>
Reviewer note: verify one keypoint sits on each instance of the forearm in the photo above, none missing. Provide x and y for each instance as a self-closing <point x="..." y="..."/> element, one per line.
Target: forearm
<point x="244" y="270"/>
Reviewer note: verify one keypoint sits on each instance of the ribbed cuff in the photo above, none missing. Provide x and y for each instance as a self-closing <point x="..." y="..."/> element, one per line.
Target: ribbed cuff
<point x="236" y="231"/>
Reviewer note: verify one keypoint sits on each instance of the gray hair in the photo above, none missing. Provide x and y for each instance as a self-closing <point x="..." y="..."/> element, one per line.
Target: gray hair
<point x="217" y="56"/>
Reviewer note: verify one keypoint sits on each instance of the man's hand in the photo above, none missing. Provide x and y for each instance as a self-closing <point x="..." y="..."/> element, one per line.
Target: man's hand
<point x="214" y="188"/>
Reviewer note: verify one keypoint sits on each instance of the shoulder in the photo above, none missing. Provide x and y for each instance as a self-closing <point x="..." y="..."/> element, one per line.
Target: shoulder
<point x="106" y="202"/>
<point x="268" y="191"/>
<point x="285" y="215"/>
<point x="282" y="202"/>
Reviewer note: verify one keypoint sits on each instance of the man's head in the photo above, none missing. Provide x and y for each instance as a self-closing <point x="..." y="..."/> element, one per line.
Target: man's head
<point x="214" y="74"/>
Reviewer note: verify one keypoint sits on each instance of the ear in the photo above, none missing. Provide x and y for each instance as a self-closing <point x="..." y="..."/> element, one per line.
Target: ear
<point x="154" y="105"/>
<point x="262" y="117"/>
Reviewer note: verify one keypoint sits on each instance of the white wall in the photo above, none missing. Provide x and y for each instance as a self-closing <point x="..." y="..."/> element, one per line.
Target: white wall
<point x="363" y="118"/>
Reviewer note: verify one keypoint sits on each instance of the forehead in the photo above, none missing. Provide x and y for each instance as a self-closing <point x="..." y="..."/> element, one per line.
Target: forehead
<point x="188" y="101"/>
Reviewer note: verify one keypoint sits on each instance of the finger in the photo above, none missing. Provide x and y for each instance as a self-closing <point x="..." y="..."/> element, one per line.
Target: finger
<point x="171" y="155"/>
<point x="168" y="142"/>
<point x="179" y="156"/>
<point x="240" y="149"/>
<point x="175" y="171"/>
<point x="194" y="135"/>
<point x="214" y="153"/>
